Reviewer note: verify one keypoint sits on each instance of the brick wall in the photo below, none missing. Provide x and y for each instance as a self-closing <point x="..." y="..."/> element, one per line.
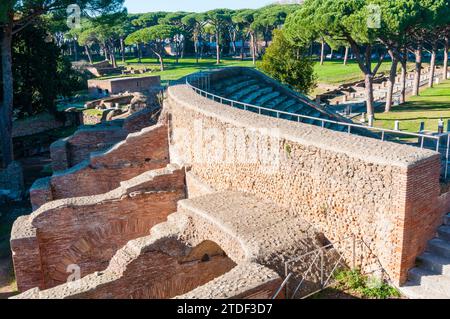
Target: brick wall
<point x="38" y="124"/>
<point x="344" y="184"/>
<point x="424" y="211"/>
<point x="73" y="150"/>
<point x="104" y="171"/>
<point x="88" y="231"/>
<point x="121" y="85"/>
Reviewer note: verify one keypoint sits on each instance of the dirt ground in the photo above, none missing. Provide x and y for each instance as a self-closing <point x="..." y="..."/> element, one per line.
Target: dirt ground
<point x="7" y="283"/>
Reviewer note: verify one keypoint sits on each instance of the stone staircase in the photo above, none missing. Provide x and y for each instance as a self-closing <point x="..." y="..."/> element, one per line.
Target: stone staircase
<point x="431" y="278"/>
<point x="251" y="90"/>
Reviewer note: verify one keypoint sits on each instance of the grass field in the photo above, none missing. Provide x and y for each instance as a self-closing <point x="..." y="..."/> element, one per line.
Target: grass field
<point x="186" y="66"/>
<point x="336" y="73"/>
<point x="432" y="105"/>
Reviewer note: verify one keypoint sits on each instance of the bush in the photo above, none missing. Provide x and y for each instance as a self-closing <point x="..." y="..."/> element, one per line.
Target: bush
<point x="286" y="62"/>
<point x="368" y="287"/>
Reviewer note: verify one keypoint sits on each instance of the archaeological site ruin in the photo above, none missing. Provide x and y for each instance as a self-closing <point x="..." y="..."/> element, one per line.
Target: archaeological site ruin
<point x="235" y="187"/>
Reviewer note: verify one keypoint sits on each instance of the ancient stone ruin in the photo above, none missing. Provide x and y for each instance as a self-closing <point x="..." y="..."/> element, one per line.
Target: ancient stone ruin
<point x="212" y="200"/>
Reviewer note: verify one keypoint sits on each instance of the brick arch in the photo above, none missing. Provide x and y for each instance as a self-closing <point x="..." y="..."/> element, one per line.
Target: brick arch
<point x="164" y="268"/>
<point x="200" y="230"/>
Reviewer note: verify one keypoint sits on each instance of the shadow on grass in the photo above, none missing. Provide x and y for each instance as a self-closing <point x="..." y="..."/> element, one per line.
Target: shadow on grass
<point x="422" y="106"/>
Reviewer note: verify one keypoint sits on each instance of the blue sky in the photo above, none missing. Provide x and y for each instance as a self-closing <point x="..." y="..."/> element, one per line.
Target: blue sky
<point x="137" y="6"/>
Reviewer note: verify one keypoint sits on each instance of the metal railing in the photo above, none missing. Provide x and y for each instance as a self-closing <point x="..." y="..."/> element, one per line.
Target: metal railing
<point x="314" y="271"/>
<point x="202" y="78"/>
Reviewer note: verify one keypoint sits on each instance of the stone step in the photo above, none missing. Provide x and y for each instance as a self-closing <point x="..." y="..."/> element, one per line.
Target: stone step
<point x="266" y="98"/>
<point x="439" y="284"/>
<point x="275" y="103"/>
<point x="444" y="232"/>
<point x="434" y="263"/>
<point x="414" y="291"/>
<point x="440" y="247"/>
<point x="243" y="92"/>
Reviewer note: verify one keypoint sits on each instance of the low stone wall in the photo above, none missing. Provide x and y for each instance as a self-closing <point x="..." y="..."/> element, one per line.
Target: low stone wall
<point x="384" y="193"/>
<point x="37" y="124"/>
<point x="104" y="171"/>
<point x="87" y="231"/>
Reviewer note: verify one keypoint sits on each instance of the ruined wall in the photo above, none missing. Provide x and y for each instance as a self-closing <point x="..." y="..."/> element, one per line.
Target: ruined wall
<point x="147" y="268"/>
<point x="166" y="265"/>
<point x="88" y="231"/>
<point x="70" y="151"/>
<point x="104" y="171"/>
<point x="384" y="193"/>
<point x="121" y="85"/>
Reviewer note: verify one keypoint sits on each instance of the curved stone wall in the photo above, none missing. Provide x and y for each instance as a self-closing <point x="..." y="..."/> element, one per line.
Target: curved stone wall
<point x="384" y="193"/>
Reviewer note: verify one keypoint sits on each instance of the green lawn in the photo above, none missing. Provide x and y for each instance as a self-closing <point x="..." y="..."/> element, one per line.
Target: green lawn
<point x="335" y="72"/>
<point x="432" y="105"/>
<point x="186" y="66"/>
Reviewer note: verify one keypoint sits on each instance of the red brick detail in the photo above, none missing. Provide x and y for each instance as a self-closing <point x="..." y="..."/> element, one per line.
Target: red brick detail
<point x="27" y="263"/>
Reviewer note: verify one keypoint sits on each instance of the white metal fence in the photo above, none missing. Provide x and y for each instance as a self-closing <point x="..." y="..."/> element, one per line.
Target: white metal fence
<point x="316" y="270"/>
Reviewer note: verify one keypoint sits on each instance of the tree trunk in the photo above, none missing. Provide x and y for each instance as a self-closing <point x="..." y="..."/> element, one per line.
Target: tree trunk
<point x="346" y="55"/>
<point x="183" y="46"/>
<point x="392" y="75"/>
<point x="446" y="49"/>
<point x="177" y="51"/>
<point x="196" y="48"/>
<point x="139" y="53"/>
<point x="105" y="53"/>
<point x="432" y="65"/>
<point x="160" y="58"/>
<point x="322" y="52"/>
<point x="369" y="95"/>
<point x="217" y="48"/>
<point x="266" y="39"/>
<point x="418" y="54"/>
<point x="122" y="49"/>
<point x="252" y="40"/>
<point x="403" y="82"/>
<point x="88" y="53"/>
<point x="242" y="48"/>
<point x="8" y="94"/>
<point x="256" y="47"/>
<point x="202" y="47"/>
<point x="75" y="50"/>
